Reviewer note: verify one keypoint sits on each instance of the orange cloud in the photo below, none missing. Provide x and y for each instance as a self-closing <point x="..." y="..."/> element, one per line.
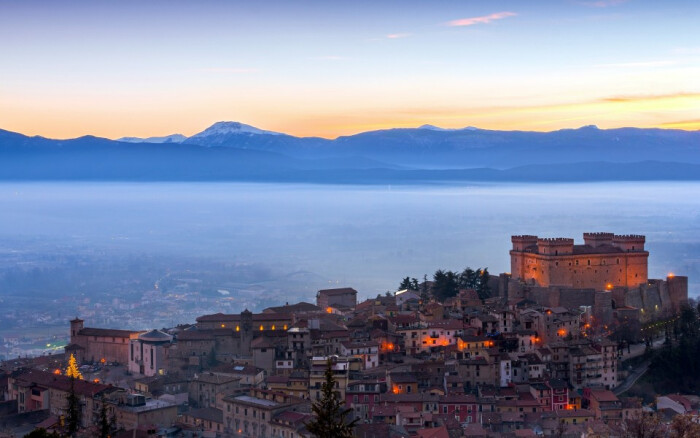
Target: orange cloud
<point x="649" y="97"/>
<point x="485" y="19"/>
<point x="683" y="124"/>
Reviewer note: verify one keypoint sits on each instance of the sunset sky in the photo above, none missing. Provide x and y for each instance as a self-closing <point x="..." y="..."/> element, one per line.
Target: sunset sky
<point x="330" y="68"/>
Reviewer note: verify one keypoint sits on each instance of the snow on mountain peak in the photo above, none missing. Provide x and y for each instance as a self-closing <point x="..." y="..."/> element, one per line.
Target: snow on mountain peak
<point x="437" y="128"/>
<point x="225" y="128"/>
<point x="174" y="138"/>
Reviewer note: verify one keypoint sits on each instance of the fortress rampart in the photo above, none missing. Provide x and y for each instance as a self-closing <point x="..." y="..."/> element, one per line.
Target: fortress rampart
<point x="607" y="272"/>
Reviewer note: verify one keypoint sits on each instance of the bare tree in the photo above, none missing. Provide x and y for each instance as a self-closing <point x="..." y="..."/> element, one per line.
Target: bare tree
<point x="644" y="425"/>
<point x="685" y="426"/>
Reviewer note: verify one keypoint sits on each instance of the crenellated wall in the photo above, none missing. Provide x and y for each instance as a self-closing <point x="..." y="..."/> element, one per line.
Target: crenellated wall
<point x="605" y="261"/>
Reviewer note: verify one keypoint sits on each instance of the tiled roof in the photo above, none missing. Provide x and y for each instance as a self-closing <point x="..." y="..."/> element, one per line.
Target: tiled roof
<point x="114" y="333"/>
<point x="57" y="381"/>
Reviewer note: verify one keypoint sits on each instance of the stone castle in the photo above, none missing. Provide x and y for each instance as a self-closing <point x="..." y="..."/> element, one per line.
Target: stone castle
<point x="608" y="273"/>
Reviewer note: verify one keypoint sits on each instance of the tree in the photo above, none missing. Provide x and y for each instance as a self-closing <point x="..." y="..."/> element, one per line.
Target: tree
<point x="73" y="417"/>
<point x="643" y="425"/>
<point x="330" y="418"/>
<point x="72" y="369"/>
<point x="408" y="283"/>
<point x="445" y="284"/>
<point x="683" y="426"/>
<point x="105" y="426"/>
<point x="477" y="280"/>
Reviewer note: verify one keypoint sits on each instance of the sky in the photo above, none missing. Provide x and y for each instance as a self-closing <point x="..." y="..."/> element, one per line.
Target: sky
<point x="333" y="68"/>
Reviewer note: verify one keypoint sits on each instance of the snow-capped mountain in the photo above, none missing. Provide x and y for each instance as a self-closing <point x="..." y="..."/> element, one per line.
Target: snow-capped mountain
<point x="227" y="128"/>
<point x="174" y="138"/>
<point x="437" y="128"/>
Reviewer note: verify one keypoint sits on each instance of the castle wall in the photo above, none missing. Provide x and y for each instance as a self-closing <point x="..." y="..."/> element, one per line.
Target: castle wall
<point x="597" y="265"/>
<point x="572" y="298"/>
<point x="602" y="307"/>
<point x="677" y="291"/>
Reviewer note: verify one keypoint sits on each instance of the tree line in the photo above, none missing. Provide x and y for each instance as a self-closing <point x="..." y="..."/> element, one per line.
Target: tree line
<point x="447" y="284"/>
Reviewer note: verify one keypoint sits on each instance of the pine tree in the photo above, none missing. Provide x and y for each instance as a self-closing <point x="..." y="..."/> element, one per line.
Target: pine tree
<point x="73" y="417"/>
<point x="330" y="417"/>
<point x="105" y="426"/>
<point x="72" y="369"/>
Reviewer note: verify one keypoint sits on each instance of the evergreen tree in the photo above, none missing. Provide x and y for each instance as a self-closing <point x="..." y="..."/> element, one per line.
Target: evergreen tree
<point x="405" y="284"/>
<point x="330" y="417"/>
<point x="105" y="426"/>
<point x="446" y="284"/>
<point x="73" y="417"/>
<point x="72" y="369"/>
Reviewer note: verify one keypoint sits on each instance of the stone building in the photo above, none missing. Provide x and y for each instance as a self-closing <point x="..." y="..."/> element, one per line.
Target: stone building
<point x="148" y="353"/>
<point x="95" y="344"/>
<point x="604" y="261"/>
<point x="607" y="272"/>
<point x="345" y="297"/>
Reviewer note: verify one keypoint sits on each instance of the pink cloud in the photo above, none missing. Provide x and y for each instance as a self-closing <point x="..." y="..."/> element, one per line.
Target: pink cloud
<point x="393" y="36"/>
<point x="481" y="20"/>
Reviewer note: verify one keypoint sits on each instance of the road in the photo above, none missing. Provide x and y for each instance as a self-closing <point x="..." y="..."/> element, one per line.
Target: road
<point x="632" y="378"/>
<point x="638" y="349"/>
<point x="638" y="371"/>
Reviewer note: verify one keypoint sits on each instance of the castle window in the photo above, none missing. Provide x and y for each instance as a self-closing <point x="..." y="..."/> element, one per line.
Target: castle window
<point x="556" y="263"/>
<point x="576" y="262"/>
<point x="589" y="262"/>
<point x="618" y="261"/>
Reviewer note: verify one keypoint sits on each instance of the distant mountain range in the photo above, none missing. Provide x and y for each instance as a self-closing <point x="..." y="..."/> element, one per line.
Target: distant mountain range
<point x="232" y="151"/>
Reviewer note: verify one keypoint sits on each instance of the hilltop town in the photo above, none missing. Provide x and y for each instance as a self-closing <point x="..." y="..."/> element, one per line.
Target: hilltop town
<point x="537" y="351"/>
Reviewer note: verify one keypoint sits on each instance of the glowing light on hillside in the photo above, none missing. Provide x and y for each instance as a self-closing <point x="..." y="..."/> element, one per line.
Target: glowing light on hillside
<point x="329" y="309"/>
<point x="671" y="275"/>
<point x="223" y="325"/>
<point x="238" y="328"/>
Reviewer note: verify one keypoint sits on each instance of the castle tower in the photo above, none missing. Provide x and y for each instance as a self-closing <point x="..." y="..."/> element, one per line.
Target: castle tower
<point x="598" y="239"/>
<point x="517" y="259"/>
<point x="75" y="326"/>
<point x="630" y="242"/>
<point x="555" y="246"/>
